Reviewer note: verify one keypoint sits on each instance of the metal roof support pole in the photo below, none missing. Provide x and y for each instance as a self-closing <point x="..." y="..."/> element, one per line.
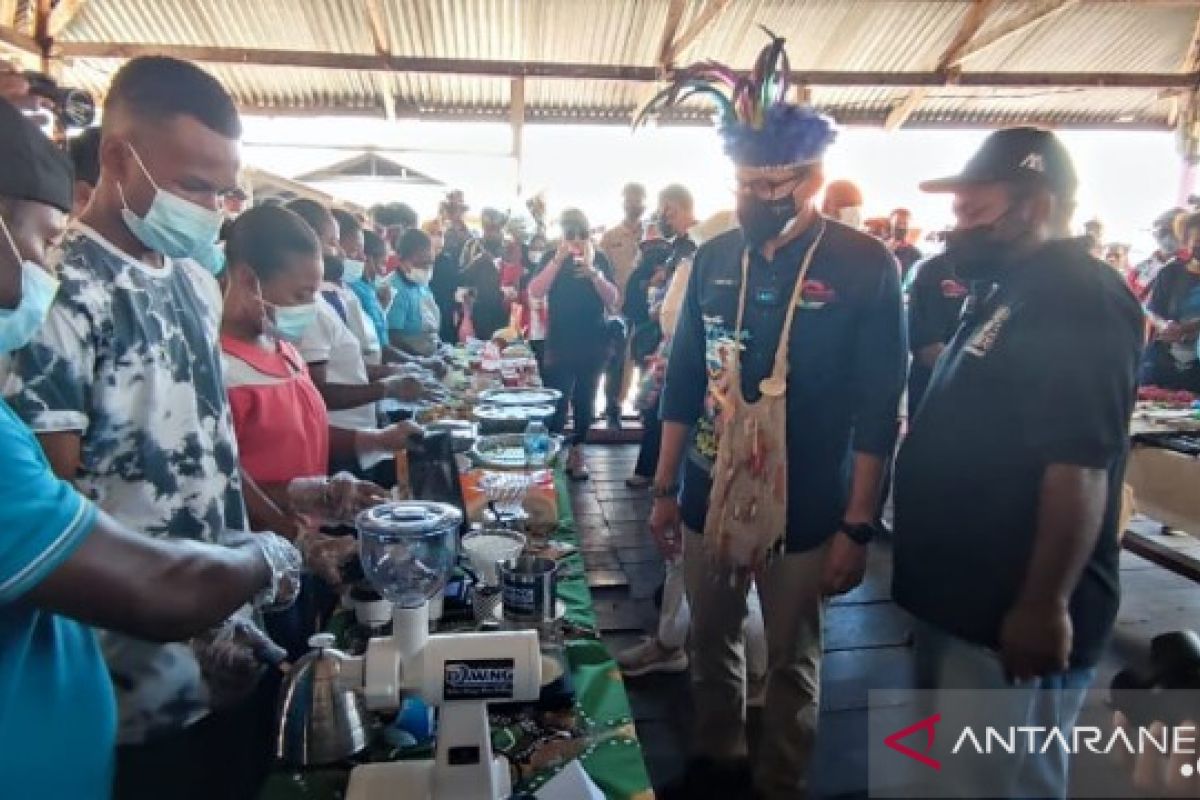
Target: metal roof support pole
<point x="383" y="47"/>
<point x="517" y="121"/>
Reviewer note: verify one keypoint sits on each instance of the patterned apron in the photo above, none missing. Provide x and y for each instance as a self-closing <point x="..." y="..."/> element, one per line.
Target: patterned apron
<point x="747" y="507"/>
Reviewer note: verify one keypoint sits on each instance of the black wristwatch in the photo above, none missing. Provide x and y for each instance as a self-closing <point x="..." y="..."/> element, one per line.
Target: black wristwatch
<point x="862" y="533"/>
<point x="662" y="492"/>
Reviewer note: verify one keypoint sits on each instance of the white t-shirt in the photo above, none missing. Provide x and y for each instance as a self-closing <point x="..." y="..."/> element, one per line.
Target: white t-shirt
<point x="329" y="341"/>
<point x="358" y="323"/>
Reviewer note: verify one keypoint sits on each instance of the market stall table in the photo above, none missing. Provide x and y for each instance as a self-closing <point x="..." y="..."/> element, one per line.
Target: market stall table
<point x="1164" y="474"/>
<point x="599" y="731"/>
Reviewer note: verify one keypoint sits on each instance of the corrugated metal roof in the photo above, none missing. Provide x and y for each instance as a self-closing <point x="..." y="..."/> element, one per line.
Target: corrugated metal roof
<point x="842" y="35"/>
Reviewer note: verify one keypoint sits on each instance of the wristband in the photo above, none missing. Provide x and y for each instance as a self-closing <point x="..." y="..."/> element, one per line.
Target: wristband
<point x="663" y="492"/>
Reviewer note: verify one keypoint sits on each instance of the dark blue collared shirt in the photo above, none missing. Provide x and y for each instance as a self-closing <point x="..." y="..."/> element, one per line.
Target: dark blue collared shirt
<point x="846" y="364"/>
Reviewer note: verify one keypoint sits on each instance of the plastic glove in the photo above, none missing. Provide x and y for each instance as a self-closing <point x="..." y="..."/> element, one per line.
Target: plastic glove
<point x="335" y="500"/>
<point x="324" y="555"/>
<point x="232" y="658"/>
<point x="383" y="443"/>
<point x="284" y="561"/>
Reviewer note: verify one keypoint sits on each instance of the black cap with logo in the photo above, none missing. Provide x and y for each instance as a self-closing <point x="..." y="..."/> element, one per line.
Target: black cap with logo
<point x="34" y="169"/>
<point x="1016" y="155"/>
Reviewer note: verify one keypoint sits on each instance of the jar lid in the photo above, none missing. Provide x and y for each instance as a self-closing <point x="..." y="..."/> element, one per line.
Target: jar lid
<point x="408" y="518"/>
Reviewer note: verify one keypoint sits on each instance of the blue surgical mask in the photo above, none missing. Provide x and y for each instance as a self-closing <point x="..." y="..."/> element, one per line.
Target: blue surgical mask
<point x="352" y="270"/>
<point x="38" y="288"/>
<point x="174" y="226"/>
<point x="18" y="325"/>
<point x="291" y="322"/>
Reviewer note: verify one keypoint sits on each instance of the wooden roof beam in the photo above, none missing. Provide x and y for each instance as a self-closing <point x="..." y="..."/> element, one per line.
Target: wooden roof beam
<point x="1033" y="15"/>
<point x="600" y="72"/>
<point x="63" y="14"/>
<point x="1188" y="63"/>
<point x="380" y="37"/>
<point x="972" y="21"/>
<point x="666" y="44"/>
<point x="15" y="41"/>
<point x="712" y="9"/>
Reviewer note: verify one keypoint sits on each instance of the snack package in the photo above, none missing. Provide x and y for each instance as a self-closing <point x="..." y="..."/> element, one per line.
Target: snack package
<point x="541" y="503"/>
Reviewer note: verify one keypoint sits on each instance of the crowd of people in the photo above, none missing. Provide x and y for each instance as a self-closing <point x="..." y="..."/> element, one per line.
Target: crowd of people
<point x="184" y="365"/>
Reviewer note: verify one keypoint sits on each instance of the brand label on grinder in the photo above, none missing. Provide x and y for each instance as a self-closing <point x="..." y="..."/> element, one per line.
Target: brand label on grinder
<point x="478" y="679"/>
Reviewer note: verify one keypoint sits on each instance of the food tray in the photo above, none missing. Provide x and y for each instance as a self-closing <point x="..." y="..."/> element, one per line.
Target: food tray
<point x="521" y="397"/>
<point x="506" y="451"/>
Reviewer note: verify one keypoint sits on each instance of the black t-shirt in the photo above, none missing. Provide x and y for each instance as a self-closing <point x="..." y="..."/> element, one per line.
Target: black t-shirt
<point x="577" y="324"/>
<point x="489" y="311"/>
<point x="1041" y="372"/>
<point x="935" y="301"/>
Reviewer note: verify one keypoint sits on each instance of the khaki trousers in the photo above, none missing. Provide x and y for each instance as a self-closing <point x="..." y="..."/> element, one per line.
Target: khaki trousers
<point x="792" y="607"/>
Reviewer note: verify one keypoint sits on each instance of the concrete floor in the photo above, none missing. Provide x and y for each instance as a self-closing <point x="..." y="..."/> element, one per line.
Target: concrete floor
<point x="866" y="635"/>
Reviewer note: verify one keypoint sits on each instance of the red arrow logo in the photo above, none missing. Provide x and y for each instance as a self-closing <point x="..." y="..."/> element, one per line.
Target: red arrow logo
<point x="927" y="725"/>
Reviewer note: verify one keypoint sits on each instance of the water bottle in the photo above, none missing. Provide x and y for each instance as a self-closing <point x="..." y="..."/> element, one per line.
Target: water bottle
<point x="537" y="443"/>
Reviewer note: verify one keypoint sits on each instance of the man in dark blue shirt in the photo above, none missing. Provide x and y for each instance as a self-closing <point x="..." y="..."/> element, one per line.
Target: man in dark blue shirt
<point x="1008" y="485"/>
<point x="844" y="376"/>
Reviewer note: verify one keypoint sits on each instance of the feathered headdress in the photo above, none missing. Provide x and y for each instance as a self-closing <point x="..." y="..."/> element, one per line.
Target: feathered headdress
<point x="760" y="128"/>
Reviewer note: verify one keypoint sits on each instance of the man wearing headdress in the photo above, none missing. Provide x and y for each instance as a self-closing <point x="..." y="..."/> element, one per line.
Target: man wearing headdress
<point x="782" y="439"/>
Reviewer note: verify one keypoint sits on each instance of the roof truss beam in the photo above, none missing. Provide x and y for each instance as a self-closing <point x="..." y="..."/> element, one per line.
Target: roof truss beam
<point x="712" y="9"/>
<point x="579" y="71"/>
<point x="972" y="21"/>
<point x="1039" y="12"/>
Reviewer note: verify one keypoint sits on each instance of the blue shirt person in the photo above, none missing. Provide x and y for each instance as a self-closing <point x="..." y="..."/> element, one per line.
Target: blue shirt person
<point x="413" y="319"/>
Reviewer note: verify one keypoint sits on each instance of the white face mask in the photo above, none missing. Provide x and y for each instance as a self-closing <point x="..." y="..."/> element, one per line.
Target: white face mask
<point x="421" y="277"/>
<point x="851" y="215"/>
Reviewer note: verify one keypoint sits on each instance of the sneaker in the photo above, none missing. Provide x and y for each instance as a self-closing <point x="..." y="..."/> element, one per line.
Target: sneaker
<point x="576" y="467"/>
<point x="614" y="422"/>
<point x="638" y="481"/>
<point x="650" y="656"/>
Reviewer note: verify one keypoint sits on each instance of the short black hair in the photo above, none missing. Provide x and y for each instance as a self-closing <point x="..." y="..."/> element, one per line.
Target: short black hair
<point x="412" y="242"/>
<point x="348" y="224"/>
<point x="158" y="88"/>
<point x="374" y="245"/>
<point x="312" y="212"/>
<point x="263" y="238"/>
<point x="84" y="150"/>
<point x="394" y="214"/>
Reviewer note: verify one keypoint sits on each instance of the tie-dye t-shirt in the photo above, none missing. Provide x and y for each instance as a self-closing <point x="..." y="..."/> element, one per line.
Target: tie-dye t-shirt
<point x="130" y="358"/>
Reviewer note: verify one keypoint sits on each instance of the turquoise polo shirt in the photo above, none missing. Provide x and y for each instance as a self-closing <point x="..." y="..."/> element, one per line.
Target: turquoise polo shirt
<point x="57" y="710"/>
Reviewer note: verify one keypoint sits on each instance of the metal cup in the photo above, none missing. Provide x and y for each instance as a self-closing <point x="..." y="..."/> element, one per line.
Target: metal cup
<point x="528" y="586"/>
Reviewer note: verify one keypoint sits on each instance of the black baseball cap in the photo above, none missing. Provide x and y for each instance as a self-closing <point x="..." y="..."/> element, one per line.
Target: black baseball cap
<point x="1024" y="155"/>
<point x="34" y="169"/>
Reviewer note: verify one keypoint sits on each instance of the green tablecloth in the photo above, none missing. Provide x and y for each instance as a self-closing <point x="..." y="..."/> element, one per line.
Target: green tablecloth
<point x="604" y="738"/>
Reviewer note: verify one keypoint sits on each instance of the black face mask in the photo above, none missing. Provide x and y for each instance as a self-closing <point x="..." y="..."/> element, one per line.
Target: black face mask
<point x="763" y="220"/>
<point x="666" y="230"/>
<point x="333" y="268"/>
<point x="981" y="252"/>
